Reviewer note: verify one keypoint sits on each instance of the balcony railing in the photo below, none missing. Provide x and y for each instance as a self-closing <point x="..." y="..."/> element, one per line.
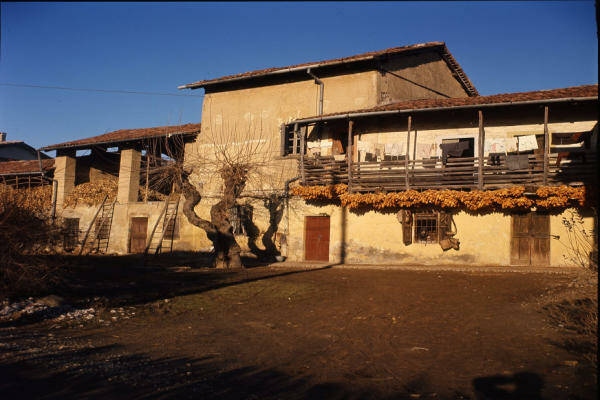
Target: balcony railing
<point x="456" y="173"/>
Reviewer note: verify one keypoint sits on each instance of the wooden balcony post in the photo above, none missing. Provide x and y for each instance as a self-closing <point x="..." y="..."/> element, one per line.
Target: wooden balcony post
<point x="295" y="140"/>
<point x="480" y="153"/>
<point x="349" y="154"/>
<point x="546" y="145"/>
<point x="407" y="152"/>
<point x="301" y="152"/>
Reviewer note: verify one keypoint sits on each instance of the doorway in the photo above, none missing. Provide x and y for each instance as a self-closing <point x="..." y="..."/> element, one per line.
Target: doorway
<point x="530" y="239"/>
<point x="137" y="235"/>
<point x="316" y="238"/>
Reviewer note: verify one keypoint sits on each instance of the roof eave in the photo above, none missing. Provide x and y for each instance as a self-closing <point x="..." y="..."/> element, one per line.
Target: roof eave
<point x="431" y="109"/>
<point x="86" y="145"/>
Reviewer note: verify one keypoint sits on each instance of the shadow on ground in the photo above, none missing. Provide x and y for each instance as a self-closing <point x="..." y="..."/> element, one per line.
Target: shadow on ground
<point x="118" y="281"/>
<point x="101" y="373"/>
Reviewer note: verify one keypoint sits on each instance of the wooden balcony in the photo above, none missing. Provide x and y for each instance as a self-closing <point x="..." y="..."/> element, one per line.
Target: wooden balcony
<point x="457" y="173"/>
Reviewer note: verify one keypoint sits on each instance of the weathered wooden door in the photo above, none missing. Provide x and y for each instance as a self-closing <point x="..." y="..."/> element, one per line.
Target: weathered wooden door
<point x="530" y="240"/>
<point x="138" y="231"/>
<point x="316" y="238"/>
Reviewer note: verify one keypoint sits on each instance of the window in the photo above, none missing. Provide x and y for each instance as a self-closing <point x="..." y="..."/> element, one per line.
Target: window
<point x="71" y="233"/>
<point x="427" y="227"/>
<point x="290" y="143"/>
<point x="237" y="215"/>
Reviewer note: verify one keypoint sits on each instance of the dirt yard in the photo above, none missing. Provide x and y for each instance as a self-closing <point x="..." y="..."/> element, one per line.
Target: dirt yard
<point x="326" y="333"/>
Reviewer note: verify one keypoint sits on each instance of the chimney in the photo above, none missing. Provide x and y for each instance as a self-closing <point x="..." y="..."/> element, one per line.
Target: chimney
<point x="2" y="136"/>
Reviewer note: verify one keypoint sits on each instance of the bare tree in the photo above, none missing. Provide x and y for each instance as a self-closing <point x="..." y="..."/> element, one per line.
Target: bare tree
<point x="234" y="165"/>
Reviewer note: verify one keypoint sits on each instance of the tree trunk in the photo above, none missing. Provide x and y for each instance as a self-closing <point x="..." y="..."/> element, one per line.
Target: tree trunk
<point x="218" y="229"/>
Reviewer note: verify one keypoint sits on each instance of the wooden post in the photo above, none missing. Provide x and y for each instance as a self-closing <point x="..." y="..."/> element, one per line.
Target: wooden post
<point x="407" y="152"/>
<point x="546" y="145"/>
<point x="295" y="140"/>
<point x="147" y="174"/>
<point x="17" y="181"/>
<point x="301" y="152"/>
<point x="481" y="141"/>
<point x="349" y="154"/>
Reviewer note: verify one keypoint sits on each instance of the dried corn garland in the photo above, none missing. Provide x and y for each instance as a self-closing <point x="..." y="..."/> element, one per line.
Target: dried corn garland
<point x="547" y="197"/>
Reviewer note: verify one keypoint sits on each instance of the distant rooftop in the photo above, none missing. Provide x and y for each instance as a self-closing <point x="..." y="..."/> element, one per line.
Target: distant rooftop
<point x="25" y="167"/>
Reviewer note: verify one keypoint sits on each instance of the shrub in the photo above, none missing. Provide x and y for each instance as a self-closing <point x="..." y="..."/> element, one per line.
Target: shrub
<point x="26" y="234"/>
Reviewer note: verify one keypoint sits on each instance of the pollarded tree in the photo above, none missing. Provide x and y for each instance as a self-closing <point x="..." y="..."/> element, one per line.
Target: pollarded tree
<point x="242" y="162"/>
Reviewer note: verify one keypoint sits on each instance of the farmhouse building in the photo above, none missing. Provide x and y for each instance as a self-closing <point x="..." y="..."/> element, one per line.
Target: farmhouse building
<point x="363" y="134"/>
<point x="384" y="157"/>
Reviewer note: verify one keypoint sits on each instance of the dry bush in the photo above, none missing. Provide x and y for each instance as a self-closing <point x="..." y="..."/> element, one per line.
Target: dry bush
<point x="26" y="233"/>
<point x="578" y="318"/>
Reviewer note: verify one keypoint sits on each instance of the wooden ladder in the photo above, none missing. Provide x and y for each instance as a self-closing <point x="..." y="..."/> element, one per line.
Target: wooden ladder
<point x="90" y="244"/>
<point x="164" y="228"/>
<point x="103" y="227"/>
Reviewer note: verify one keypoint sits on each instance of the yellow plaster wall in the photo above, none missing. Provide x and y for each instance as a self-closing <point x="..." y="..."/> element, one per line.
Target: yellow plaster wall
<point x="376" y="238"/>
<point x="418" y="76"/>
<point x="563" y="247"/>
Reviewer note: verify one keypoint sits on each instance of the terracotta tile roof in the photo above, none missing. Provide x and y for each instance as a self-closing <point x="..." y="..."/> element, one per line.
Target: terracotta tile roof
<point x="11" y="142"/>
<point x="22" y="167"/>
<point x="439" y="46"/>
<point x="569" y="92"/>
<point x="124" y="135"/>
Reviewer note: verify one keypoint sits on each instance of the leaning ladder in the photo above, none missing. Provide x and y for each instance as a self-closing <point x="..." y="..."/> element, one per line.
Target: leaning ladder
<point x="87" y="232"/>
<point x="103" y="226"/>
<point x="165" y="224"/>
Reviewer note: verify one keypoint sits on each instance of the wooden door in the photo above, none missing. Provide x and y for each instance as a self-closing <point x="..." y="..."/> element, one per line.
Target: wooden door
<point x="138" y="231"/>
<point x="316" y="238"/>
<point x="530" y="239"/>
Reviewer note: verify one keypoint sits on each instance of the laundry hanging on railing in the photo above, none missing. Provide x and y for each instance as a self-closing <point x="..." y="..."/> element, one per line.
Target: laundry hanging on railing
<point x="425" y="150"/>
<point x="453" y="150"/>
<point x="511" y="144"/>
<point x="495" y="145"/>
<point x="517" y="161"/>
<point x="527" y="143"/>
<point x="394" y="149"/>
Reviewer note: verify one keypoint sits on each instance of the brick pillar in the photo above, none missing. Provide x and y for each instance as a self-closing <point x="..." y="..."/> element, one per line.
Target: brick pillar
<point x="129" y="176"/>
<point x="64" y="173"/>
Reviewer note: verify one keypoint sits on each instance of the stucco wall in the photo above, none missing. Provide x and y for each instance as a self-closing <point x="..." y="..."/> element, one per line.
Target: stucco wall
<point x="418" y="76"/>
<point x="376" y="238"/>
<point x="119" y="234"/>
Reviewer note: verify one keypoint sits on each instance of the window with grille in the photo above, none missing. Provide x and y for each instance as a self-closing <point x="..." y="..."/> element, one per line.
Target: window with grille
<point x="430" y="227"/>
<point x="426" y="228"/>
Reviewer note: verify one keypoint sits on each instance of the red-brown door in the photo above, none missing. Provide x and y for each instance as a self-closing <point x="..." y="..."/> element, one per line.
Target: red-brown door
<point x="530" y="241"/>
<point x="138" y="230"/>
<point x="316" y="238"/>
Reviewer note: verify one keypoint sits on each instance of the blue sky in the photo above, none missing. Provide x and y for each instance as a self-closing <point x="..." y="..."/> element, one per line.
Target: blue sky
<point x="502" y="46"/>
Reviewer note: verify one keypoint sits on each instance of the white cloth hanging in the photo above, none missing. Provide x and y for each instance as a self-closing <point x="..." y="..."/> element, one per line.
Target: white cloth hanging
<point x="527" y="143"/>
<point x="510" y="144"/>
<point x="495" y="145"/>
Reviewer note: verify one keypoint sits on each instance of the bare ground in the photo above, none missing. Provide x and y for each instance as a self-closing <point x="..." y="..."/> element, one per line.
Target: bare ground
<point x="326" y="333"/>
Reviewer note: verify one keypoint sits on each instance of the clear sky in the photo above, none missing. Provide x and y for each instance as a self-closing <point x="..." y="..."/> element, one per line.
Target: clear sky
<point x="502" y="46"/>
